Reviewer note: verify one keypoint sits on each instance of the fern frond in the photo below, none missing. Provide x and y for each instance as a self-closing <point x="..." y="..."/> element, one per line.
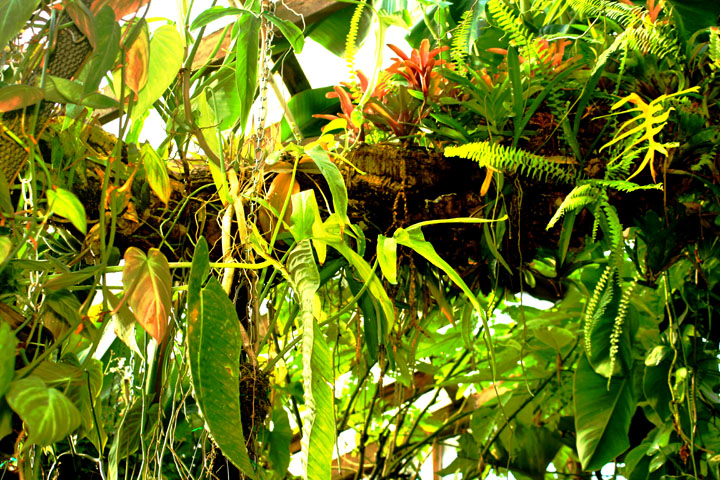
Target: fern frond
<point x="596" y="306"/>
<point x="624" y="15"/>
<point x="580" y="196"/>
<point x="648" y="39"/>
<point x="510" y="24"/>
<point x="714" y="47"/>
<point x="625" y="186"/>
<point x="504" y="158"/>
<point x="614" y="235"/>
<point x="617" y="326"/>
<point x="461" y="39"/>
<point x="351" y="39"/>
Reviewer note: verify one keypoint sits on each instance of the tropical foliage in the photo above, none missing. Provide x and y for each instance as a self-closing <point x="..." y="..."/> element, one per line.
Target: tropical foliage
<point x="224" y="302"/>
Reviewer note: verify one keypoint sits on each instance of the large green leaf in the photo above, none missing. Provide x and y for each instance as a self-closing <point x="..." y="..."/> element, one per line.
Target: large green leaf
<point x="19" y="96"/>
<point x="108" y="45"/>
<point x="13" y="15"/>
<point x="334" y="179"/>
<point x="48" y="414"/>
<point x="319" y="423"/>
<point x="602" y="415"/>
<point x="332" y="30"/>
<point x="167" y="50"/>
<point x="306" y="104"/>
<point x="156" y="173"/>
<point x="148" y="283"/>
<point x="214" y="344"/>
<point x="246" y="64"/>
<point x="65" y="204"/>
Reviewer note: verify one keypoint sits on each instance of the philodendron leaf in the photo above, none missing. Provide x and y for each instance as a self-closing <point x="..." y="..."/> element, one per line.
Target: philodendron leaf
<point x="246" y="63"/>
<point x="213" y="345"/>
<point x="13" y="16"/>
<point x="48" y="414"/>
<point x="148" y="283"/>
<point x="156" y="172"/>
<point x="602" y="415"/>
<point x="334" y="178"/>
<point x="387" y="257"/>
<point x="18" y="96"/>
<point x="167" y="50"/>
<point x="65" y="204"/>
<point x="318" y="427"/>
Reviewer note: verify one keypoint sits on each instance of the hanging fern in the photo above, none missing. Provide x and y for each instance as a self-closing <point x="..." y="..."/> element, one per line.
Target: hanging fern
<point x="648" y="39"/>
<point x="351" y="39"/>
<point x="617" y="326"/>
<point x="500" y="157"/>
<point x="625" y="15"/>
<point x="461" y="40"/>
<point x="714" y="47"/>
<point x="625" y="186"/>
<point x="580" y="197"/>
<point x="512" y="25"/>
<point x="596" y="306"/>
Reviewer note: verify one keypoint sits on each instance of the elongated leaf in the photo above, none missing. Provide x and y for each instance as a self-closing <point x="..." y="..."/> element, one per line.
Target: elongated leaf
<point x="69" y="279"/>
<point x="166" y="57"/>
<point x="213" y="343"/>
<point x="48" y="414"/>
<point x="387" y="257"/>
<point x="215" y="13"/>
<point x="62" y="90"/>
<point x="157" y="173"/>
<point x="137" y="61"/>
<point x="517" y="91"/>
<point x="319" y="423"/>
<point x="306" y="104"/>
<point x="13" y="16"/>
<point x="108" y="45"/>
<point x="602" y="416"/>
<point x="246" y="64"/>
<point x="19" y="96"/>
<point x="289" y="30"/>
<point x="83" y="20"/>
<point x="8" y="343"/>
<point x="65" y="204"/>
<point x="334" y="179"/>
<point x="120" y="7"/>
<point x="148" y="283"/>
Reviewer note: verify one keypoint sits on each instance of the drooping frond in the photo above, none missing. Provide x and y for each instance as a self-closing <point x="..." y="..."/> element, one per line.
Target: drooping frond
<point x="511" y="24"/>
<point x="504" y="158"/>
<point x="625" y="186"/>
<point x="618" y="324"/>
<point x="623" y="14"/>
<point x="714" y="47"/>
<point x="596" y="306"/>
<point x="461" y="39"/>
<point x="614" y="234"/>
<point x="580" y="196"/>
<point x="648" y="39"/>
<point x="351" y="39"/>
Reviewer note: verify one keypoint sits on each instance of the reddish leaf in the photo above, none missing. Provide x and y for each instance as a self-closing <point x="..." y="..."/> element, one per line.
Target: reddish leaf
<point x="148" y="283"/>
<point x="83" y="20"/>
<point x="19" y="96"/>
<point x="120" y="7"/>
<point x="136" y="62"/>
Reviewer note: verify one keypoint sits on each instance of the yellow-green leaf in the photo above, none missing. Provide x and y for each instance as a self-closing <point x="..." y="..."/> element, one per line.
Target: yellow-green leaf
<point x="156" y="172"/>
<point x="65" y="204"/>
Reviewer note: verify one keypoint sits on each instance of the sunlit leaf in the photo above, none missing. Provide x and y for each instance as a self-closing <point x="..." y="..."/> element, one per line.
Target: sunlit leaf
<point x="217" y="12"/>
<point x="13" y="16"/>
<point x="62" y="90"/>
<point x="318" y="428"/>
<point x="289" y="30"/>
<point x="48" y="414"/>
<point x="387" y="257"/>
<point x="166" y="57"/>
<point x="83" y="20"/>
<point x="65" y="204"/>
<point x="120" y="7"/>
<point x="6" y="247"/>
<point x="246" y="64"/>
<point x="108" y="45"/>
<point x="602" y="416"/>
<point x="214" y="345"/>
<point x="156" y="172"/>
<point x="334" y="179"/>
<point x="137" y="58"/>
<point x="19" y="96"/>
<point x="148" y="283"/>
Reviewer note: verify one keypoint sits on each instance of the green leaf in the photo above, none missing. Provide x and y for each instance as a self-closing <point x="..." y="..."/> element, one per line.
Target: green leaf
<point x="305" y="213"/>
<point x="602" y="415"/>
<point x="13" y="97"/>
<point x="13" y="16"/>
<point x="62" y="90"/>
<point x="148" y="284"/>
<point x="331" y="31"/>
<point x="65" y="204"/>
<point x="306" y="104"/>
<point x="517" y="92"/>
<point x="334" y="179"/>
<point x="289" y="30"/>
<point x="107" y="49"/>
<point x="373" y="327"/>
<point x="318" y="427"/>
<point x="167" y="50"/>
<point x="215" y="13"/>
<point x="387" y="257"/>
<point x="206" y="120"/>
<point x="131" y="427"/>
<point x="214" y="345"/>
<point x="69" y="279"/>
<point x="279" y="440"/>
<point x="246" y="64"/>
<point x="554" y="337"/>
<point x="48" y="414"/>
<point x="8" y="343"/>
<point x="156" y="172"/>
